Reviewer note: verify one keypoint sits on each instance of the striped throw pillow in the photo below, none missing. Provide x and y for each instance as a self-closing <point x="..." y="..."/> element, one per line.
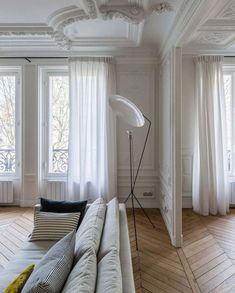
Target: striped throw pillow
<point x="53" y="226"/>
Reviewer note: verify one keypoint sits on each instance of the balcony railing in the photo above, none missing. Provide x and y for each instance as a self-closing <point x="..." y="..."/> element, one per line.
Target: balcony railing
<point x="7" y="160"/>
<point x="60" y="161"/>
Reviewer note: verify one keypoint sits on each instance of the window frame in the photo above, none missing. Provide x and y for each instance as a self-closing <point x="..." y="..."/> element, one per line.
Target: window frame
<point x="17" y="72"/>
<point x="230" y="70"/>
<point x="44" y="120"/>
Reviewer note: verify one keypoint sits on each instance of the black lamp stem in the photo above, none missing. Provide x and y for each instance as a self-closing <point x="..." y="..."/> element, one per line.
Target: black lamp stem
<point x="133" y="178"/>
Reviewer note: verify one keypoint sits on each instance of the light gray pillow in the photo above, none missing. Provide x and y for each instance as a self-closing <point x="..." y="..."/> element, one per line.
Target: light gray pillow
<point x="109" y="275"/>
<point x="82" y="278"/>
<point x="110" y="237"/>
<point x="53" y="226"/>
<point x="52" y="271"/>
<point x="89" y="233"/>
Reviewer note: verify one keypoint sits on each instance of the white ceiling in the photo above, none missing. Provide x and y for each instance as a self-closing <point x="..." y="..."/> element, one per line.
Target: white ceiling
<point x="74" y="24"/>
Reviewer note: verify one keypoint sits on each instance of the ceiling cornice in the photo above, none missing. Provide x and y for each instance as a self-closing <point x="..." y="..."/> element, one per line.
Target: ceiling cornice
<point x="55" y="30"/>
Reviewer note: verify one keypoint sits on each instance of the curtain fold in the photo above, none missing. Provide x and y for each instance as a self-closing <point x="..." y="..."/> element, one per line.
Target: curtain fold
<point x="92" y="145"/>
<point x="210" y="181"/>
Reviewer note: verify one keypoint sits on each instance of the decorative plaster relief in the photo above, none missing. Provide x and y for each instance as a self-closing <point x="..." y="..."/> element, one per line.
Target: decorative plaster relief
<point x="92" y="10"/>
<point x="229" y="12"/>
<point x="129" y="12"/>
<point x="62" y="41"/>
<point x="214" y="38"/>
<point x="161" y="8"/>
<point x="26" y="34"/>
<point x="132" y="12"/>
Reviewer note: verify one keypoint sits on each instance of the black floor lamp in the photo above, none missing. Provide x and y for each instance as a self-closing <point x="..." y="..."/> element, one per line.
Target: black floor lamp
<point x="131" y="114"/>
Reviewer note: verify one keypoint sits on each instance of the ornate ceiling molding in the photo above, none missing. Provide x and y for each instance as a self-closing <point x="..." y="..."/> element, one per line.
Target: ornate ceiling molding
<point x="129" y="12"/>
<point x="229" y="12"/>
<point x="213" y="38"/>
<point x="58" y="24"/>
<point x="132" y="12"/>
<point x="26" y="34"/>
<point x="62" y="41"/>
<point x="91" y="8"/>
<point x="217" y="32"/>
<point x="61" y="18"/>
<point x="161" y="8"/>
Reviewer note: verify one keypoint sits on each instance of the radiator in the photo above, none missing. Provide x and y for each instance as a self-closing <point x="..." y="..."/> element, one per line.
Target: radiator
<point x="56" y="190"/>
<point x="6" y="191"/>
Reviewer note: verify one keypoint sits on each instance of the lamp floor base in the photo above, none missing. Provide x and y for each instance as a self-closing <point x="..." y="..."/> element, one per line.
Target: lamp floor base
<point x="133" y="197"/>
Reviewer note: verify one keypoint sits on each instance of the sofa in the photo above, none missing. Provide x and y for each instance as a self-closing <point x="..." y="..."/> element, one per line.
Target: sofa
<point x="107" y="234"/>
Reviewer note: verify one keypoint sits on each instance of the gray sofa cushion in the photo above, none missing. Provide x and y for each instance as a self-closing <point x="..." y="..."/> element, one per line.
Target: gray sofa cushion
<point x="111" y="235"/>
<point x="82" y="278"/>
<point x="109" y="276"/>
<point x="51" y="273"/>
<point x="90" y="231"/>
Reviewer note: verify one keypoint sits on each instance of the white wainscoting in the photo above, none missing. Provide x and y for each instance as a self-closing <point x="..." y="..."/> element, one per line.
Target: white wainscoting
<point x="187" y="172"/>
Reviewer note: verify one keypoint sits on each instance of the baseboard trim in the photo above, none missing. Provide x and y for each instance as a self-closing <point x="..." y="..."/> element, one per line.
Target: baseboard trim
<point x="27" y="203"/>
<point x="147" y="204"/>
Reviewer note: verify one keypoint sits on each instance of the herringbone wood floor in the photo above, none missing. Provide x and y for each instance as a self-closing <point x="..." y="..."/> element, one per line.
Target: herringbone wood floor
<point x="206" y="263"/>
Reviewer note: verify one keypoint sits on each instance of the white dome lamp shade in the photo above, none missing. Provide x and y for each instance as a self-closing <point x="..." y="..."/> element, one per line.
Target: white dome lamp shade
<point x="127" y="110"/>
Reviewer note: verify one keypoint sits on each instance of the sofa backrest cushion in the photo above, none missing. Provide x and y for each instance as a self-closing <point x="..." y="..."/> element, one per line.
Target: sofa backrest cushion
<point x="52" y="271"/>
<point x="111" y="235"/>
<point x="89" y="233"/>
<point x="82" y="278"/>
<point x="56" y="206"/>
<point x="109" y="276"/>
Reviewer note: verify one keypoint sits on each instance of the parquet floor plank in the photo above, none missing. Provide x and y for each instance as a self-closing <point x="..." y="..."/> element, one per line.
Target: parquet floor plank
<point x="209" y="247"/>
<point x="15" y="226"/>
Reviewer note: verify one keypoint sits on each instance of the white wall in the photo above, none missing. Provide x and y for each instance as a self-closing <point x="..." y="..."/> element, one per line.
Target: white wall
<point x="188" y="90"/>
<point x="136" y="80"/>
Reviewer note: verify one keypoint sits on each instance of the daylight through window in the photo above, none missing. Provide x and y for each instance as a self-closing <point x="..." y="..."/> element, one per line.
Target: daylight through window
<point x="58" y="123"/>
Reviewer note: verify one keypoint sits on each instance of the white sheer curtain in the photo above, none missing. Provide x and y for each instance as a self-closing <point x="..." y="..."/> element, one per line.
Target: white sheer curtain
<point x="210" y="185"/>
<point x="92" y="145"/>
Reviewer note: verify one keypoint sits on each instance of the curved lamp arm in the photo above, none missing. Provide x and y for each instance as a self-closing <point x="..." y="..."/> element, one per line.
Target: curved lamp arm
<point x="142" y="154"/>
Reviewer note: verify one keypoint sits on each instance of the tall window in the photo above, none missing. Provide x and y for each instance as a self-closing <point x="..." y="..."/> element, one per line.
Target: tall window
<point x="55" y="121"/>
<point x="228" y="82"/>
<point x="10" y="121"/>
